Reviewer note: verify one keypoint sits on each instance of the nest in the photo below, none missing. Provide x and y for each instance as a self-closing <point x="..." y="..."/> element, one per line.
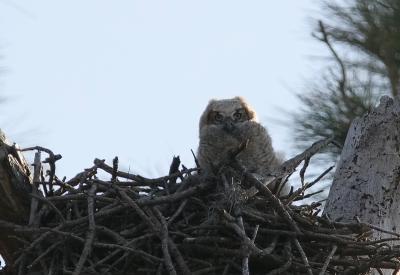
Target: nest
<point x="188" y="223"/>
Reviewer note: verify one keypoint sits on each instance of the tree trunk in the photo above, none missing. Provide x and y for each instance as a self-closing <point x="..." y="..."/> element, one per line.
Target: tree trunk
<point x="15" y="187"/>
<point x="366" y="181"/>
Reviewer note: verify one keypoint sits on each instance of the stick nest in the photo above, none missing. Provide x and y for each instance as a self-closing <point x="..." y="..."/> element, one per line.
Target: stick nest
<point x="188" y="223"/>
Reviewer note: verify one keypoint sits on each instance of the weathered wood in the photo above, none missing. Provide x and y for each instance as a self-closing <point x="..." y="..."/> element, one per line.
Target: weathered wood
<point x="366" y="182"/>
<point x="15" y="187"/>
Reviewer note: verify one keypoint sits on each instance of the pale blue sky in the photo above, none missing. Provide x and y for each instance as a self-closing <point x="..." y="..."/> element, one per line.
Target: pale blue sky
<point x="130" y="78"/>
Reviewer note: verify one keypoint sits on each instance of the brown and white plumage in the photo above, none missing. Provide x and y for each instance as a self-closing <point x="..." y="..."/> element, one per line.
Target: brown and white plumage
<point x="224" y="125"/>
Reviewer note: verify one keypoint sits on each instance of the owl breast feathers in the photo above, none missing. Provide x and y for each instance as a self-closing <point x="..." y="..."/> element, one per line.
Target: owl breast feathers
<point x="224" y="125"/>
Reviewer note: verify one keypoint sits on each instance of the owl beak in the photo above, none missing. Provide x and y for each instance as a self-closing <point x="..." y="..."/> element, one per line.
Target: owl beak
<point x="228" y="125"/>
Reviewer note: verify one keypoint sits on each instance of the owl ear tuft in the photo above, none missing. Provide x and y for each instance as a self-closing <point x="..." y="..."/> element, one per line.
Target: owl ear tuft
<point x="240" y="98"/>
<point x="249" y="110"/>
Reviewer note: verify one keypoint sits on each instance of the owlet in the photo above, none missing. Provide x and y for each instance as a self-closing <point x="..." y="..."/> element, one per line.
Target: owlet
<point x="225" y="125"/>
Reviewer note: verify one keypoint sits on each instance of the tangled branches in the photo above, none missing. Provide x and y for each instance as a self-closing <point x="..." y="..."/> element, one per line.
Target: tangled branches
<point x="188" y="223"/>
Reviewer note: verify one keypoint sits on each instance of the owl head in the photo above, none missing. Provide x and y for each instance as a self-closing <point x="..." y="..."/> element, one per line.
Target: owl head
<point x="227" y="113"/>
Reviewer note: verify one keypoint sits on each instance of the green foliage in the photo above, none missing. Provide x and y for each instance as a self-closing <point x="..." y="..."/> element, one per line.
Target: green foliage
<point x="369" y="33"/>
<point x="372" y="27"/>
<point x="327" y="112"/>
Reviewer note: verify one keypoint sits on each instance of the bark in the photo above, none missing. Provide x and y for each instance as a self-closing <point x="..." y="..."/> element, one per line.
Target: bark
<point x="366" y="182"/>
<point x="15" y="187"/>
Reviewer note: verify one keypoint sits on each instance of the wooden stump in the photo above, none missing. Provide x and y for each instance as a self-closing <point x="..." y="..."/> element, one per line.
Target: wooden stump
<point x="366" y="183"/>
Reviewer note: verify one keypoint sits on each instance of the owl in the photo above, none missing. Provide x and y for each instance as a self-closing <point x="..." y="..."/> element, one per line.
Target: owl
<point x="225" y="125"/>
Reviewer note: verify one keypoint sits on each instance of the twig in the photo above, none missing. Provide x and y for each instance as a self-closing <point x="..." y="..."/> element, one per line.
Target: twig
<point x="100" y="164"/>
<point x="377" y="228"/>
<point x="44" y="254"/>
<point x="303" y="170"/>
<point x="328" y="259"/>
<point x="91" y="232"/>
<point x="164" y="244"/>
<point x="36" y="178"/>
<point x="263" y="189"/>
<point x="48" y="202"/>
<point x="325" y="39"/>
<point x="290" y="165"/>
<point x="51" y="160"/>
<point x="196" y="161"/>
<point x="287" y="264"/>
<point x="136" y="207"/>
<point x="303" y="256"/>
<point x="115" y="170"/>
<point x="174" y="169"/>
<point x="245" y="260"/>
<point x="177" y="212"/>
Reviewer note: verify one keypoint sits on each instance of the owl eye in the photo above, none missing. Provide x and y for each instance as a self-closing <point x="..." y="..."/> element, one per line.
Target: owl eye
<point x="237" y="115"/>
<point x="218" y="117"/>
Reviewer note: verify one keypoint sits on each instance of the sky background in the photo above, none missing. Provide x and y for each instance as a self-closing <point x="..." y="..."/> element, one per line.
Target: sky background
<point x="100" y="78"/>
